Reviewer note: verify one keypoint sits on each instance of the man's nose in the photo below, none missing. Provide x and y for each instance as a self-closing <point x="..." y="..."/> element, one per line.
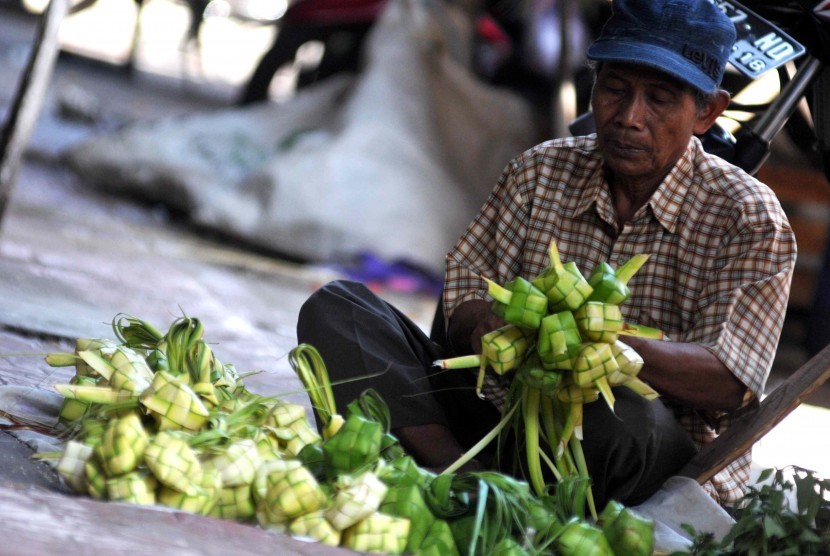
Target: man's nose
<point x="632" y="112"/>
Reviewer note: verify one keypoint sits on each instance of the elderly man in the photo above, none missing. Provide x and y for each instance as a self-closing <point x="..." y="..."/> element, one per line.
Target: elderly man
<point x="717" y="283"/>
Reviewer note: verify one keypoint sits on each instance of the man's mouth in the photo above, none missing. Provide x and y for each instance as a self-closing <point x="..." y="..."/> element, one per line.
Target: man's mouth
<point x="625" y="148"/>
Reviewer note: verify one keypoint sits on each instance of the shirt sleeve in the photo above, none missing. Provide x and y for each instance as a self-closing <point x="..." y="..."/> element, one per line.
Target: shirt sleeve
<point x="744" y="303"/>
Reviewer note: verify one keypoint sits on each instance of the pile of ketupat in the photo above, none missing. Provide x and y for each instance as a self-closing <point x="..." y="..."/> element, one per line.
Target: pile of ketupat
<point x="562" y="342"/>
<point x="152" y="418"/>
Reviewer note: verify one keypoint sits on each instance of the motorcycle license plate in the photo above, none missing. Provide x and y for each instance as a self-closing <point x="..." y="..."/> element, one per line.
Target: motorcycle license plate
<point x="760" y="45"/>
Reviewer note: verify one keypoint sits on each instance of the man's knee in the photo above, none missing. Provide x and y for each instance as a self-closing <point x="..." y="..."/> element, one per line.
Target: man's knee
<point x="635" y="448"/>
<point x="330" y="300"/>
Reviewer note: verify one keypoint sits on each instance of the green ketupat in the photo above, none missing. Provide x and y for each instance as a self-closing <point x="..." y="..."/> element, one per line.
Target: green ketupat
<point x="627" y="532"/>
<point x="611" y="286"/>
<point x="408" y="501"/>
<point x="533" y="373"/>
<point x="201" y="501"/>
<point x="96" y="478"/>
<point x="69" y="359"/>
<point x="94" y="394"/>
<point x="269" y="473"/>
<point x="439" y="541"/>
<point x="284" y="414"/>
<point x="519" y="302"/>
<point x="575" y="357"/>
<point x="564" y="285"/>
<point x="403" y="471"/>
<point x="504" y="349"/>
<point x="558" y="340"/>
<point x="293" y="438"/>
<point x="359" y="479"/>
<point x="108" y="374"/>
<point x="355" y="447"/>
<point x="509" y="547"/>
<point x="580" y="538"/>
<point x="630" y="363"/>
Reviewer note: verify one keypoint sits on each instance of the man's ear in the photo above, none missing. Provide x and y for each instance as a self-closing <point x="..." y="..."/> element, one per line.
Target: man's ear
<point x="707" y="116"/>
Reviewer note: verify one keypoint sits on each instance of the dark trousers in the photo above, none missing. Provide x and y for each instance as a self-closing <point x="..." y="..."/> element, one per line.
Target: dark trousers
<point x="367" y="343"/>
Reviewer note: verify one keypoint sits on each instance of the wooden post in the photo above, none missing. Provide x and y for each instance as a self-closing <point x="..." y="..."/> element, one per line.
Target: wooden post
<point x="751" y="427"/>
<point x="29" y="97"/>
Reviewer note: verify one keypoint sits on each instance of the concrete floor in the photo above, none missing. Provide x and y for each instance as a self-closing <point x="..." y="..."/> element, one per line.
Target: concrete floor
<point x="71" y="258"/>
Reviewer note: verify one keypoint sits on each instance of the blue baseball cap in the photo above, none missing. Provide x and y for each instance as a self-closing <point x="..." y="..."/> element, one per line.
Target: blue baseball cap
<point x="687" y="39"/>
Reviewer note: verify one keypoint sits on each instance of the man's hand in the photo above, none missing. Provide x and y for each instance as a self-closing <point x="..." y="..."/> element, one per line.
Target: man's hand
<point x="688" y="374"/>
<point x="469" y="322"/>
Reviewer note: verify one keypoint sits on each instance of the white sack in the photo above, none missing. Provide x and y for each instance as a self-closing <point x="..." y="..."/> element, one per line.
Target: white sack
<point x="395" y="162"/>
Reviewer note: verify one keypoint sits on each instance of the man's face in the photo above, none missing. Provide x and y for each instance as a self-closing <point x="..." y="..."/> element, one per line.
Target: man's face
<point x="644" y="120"/>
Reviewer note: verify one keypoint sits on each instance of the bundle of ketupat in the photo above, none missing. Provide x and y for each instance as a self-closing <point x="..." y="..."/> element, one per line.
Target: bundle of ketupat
<point x="565" y="352"/>
<point x="155" y="418"/>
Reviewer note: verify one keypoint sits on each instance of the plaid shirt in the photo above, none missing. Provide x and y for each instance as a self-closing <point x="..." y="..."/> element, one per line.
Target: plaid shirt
<point x="722" y="258"/>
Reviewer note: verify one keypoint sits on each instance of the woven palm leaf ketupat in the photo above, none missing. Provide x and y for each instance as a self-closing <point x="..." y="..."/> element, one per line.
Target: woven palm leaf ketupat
<point x="519" y="302"/>
<point x="564" y="285"/>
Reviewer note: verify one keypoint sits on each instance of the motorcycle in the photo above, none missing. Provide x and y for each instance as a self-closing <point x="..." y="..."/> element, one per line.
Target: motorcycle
<point x="781" y="34"/>
<point x="801" y="32"/>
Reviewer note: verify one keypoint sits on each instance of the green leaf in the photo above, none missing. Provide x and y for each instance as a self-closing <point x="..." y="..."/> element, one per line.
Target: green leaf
<point x="764" y="475"/>
<point x="807" y="496"/>
<point x="773" y="528"/>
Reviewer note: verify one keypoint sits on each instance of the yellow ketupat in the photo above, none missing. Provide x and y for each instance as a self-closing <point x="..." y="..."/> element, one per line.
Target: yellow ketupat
<point x="355" y="499"/>
<point x="236" y="463"/>
<point x="137" y="487"/>
<point x="174" y="462"/>
<point x="314" y="525"/>
<point x="379" y="533"/>
<point x="72" y="465"/>
<point x="235" y="503"/>
<point x="123" y="445"/>
<point x="174" y="404"/>
<point x="290" y="494"/>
